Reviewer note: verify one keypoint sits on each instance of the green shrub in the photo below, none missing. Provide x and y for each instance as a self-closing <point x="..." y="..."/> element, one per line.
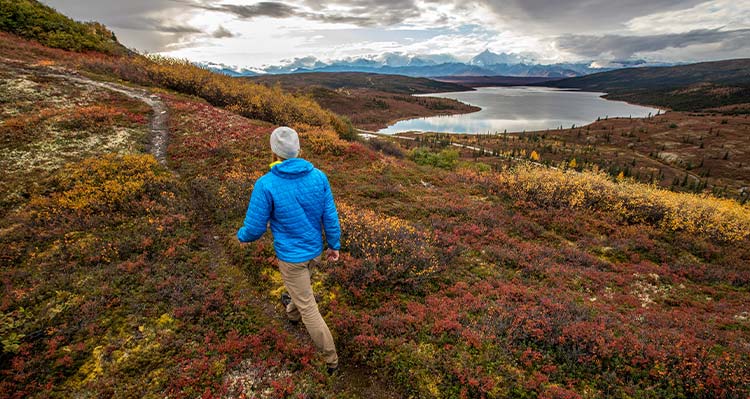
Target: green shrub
<point x="33" y="20"/>
<point x="343" y="126"/>
<point x="445" y="159"/>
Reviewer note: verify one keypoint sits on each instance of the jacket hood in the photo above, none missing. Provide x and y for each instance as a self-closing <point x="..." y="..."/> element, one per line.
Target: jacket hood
<point x="293" y="168"/>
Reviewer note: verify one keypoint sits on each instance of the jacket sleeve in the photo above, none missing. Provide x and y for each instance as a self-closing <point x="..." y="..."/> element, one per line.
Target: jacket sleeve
<point x="331" y="218"/>
<point x="258" y="213"/>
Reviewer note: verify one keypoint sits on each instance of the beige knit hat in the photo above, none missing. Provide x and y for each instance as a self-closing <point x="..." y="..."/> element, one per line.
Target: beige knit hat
<point x="285" y="142"/>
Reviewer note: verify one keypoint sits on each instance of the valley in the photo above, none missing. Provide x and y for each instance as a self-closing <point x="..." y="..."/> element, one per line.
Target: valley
<point x="372" y="101"/>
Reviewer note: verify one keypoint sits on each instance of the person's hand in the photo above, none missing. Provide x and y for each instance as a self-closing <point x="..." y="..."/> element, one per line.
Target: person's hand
<point x="332" y="255"/>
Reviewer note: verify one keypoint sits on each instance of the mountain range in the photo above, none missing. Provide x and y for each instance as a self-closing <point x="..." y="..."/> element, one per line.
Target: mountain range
<point x="486" y="63"/>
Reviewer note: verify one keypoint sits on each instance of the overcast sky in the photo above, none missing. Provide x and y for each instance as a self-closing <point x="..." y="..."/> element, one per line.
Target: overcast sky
<point x="247" y="33"/>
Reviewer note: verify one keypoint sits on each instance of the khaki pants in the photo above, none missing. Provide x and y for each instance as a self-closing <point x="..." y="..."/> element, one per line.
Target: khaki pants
<point x="296" y="278"/>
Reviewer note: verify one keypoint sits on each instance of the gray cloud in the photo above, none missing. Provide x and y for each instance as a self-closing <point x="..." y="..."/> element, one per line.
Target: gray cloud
<point x="546" y="16"/>
<point x="263" y="9"/>
<point x="222" y="32"/>
<point x="364" y="13"/>
<point x="624" y="47"/>
<point x="555" y="16"/>
<point x="159" y="15"/>
<point x="147" y="25"/>
<point x="155" y="25"/>
<point x="384" y="10"/>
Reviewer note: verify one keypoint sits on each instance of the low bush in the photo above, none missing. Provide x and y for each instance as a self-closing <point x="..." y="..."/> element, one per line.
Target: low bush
<point x="445" y="159"/>
<point x="101" y="185"/>
<point x="387" y="147"/>
<point x="323" y="141"/>
<point x="721" y="219"/>
<point x="387" y="253"/>
<point x="344" y="127"/>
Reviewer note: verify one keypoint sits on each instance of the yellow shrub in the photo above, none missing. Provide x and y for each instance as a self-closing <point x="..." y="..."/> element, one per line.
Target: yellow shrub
<point x="367" y="230"/>
<point x="323" y="141"/>
<point x="393" y="251"/>
<point x="101" y="184"/>
<point x="717" y="218"/>
<point x="239" y="95"/>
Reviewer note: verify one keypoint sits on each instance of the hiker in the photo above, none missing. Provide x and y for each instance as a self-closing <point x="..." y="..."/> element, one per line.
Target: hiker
<point x="296" y="198"/>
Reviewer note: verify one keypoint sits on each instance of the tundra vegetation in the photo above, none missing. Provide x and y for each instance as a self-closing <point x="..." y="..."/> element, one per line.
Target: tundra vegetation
<point x="122" y="277"/>
<point x="696" y="152"/>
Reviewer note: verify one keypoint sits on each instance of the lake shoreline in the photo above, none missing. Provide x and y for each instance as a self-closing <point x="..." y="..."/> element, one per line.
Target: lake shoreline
<point x="517" y="109"/>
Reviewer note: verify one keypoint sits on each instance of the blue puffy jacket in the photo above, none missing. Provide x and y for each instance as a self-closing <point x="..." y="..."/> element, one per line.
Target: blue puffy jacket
<point x="296" y="197"/>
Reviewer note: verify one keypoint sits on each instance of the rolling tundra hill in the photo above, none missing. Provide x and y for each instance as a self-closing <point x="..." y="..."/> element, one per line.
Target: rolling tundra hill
<point x="488" y="81"/>
<point x="689" y="87"/>
<point x="728" y="72"/>
<point x="360" y="80"/>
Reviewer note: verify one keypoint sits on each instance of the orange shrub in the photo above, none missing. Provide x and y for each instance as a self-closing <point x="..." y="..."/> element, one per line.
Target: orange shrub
<point x="91" y="116"/>
<point x="24" y="127"/>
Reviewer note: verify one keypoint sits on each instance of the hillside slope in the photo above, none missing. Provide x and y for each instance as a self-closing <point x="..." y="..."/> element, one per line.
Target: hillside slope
<point x="684" y="88"/>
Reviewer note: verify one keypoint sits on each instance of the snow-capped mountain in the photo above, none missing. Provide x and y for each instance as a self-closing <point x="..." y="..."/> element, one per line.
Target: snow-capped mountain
<point x="231" y="70"/>
<point x="485" y="63"/>
<point x="487" y="58"/>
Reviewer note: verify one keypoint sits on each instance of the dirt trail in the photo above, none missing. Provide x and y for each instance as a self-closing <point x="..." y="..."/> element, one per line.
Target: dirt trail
<point x="159" y="131"/>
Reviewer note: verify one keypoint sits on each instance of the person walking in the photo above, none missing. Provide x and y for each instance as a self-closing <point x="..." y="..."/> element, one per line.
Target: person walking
<point x="296" y="198"/>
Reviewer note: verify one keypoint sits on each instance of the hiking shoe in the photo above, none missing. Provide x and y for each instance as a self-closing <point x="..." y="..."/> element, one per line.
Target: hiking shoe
<point x="286" y="299"/>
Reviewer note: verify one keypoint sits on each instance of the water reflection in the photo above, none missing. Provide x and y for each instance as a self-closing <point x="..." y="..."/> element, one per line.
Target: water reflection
<point x="522" y="108"/>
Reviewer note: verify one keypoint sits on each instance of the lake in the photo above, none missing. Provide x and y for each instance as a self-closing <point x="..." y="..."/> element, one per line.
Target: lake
<point x="521" y="108"/>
